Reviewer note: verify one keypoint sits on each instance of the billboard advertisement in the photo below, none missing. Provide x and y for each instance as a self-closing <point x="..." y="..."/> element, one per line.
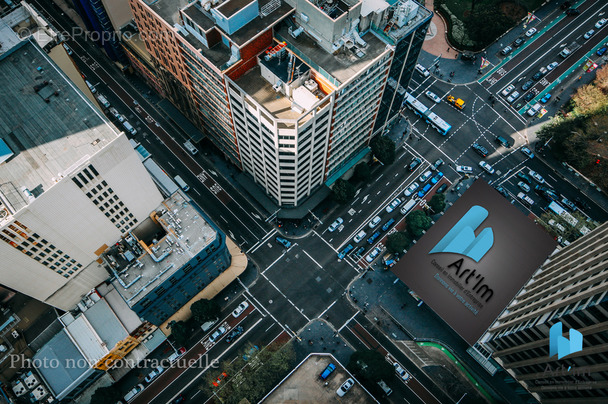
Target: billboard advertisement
<point x="472" y="262"/>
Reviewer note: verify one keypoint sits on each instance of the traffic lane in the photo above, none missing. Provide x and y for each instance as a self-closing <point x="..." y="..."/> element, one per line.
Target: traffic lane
<point x="554" y="35"/>
<point x="269" y="253"/>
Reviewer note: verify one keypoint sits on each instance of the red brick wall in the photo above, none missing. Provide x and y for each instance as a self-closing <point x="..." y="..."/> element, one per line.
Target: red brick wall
<point x="249" y="53"/>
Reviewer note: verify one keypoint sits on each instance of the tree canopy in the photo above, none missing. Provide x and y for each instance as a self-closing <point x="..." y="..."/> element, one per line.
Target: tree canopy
<point x="362" y="172"/>
<point x="384" y="149"/>
<point x="205" y="310"/>
<point x="370" y="366"/>
<point x="180" y="332"/>
<point x="437" y="203"/>
<point x="343" y="191"/>
<point x="417" y="223"/>
<point x="397" y="242"/>
<point x="106" y="395"/>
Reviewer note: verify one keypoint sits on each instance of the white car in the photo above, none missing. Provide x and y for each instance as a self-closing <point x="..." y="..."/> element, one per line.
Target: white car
<point x="537" y="177"/>
<point x="530" y="32"/>
<point x="345" y="387"/>
<point x="401" y="372"/>
<point x="589" y="34"/>
<point x="217" y="333"/>
<point x="600" y="23"/>
<point x="514" y="95"/>
<point x="422" y="70"/>
<point x="552" y="66"/>
<point x="374" y="222"/>
<point x="464" y="169"/>
<point x="154" y="374"/>
<point x="335" y="224"/>
<point x="534" y="109"/>
<point x="372" y="255"/>
<point x="488" y="168"/>
<point x="433" y="96"/>
<point x="425" y="176"/>
<point x="411" y="189"/>
<point x="239" y="309"/>
<point x="393" y="205"/>
<point x="360" y="236"/>
<point x="524" y="187"/>
<point x="508" y="90"/>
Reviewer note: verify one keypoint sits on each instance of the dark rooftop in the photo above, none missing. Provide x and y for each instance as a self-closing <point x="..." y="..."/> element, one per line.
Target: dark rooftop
<point x="230" y="7"/>
<point x="260" y="24"/>
<point x="199" y="18"/>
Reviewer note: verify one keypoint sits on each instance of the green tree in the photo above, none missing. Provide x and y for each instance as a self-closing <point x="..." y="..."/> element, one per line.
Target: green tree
<point x="106" y="395"/>
<point x="204" y="310"/>
<point x="180" y="332"/>
<point x="437" y="203"/>
<point x="384" y="149"/>
<point x="370" y="366"/>
<point x="417" y="223"/>
<point x="398" y="241"/>
<point x="343" y="191"/>
<point x="362" y="172"/>
<point x="559" y="226"/>
<point x="495" y="23"/>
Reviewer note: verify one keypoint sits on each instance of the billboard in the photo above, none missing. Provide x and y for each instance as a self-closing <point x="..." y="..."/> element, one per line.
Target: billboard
<point x="473" y="261"/>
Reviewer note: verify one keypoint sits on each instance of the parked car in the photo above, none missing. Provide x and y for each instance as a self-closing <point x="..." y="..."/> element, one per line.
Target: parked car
<point x="519" y="42"/>
<point x="568" y="204"/>
<point x="217" y="334"/>
<point x="414" y="163"/>
<point x="373" y="237"/>
<point x="411" y="189"/>
<point x="479" y="149"/>
<point x="343" y="389"/>
<point x="589" y="34"/>
<point x="507" y="90"/>
<point x="524" y="177"/>
<point x="524" y="187"/>
<point x="240" y="308"/>
<point x="373" y="254"/>
<point x="335" y="224"/>
<point x="437" y="164"/>
<point x="401" y="372"/>
<point x="437" y="178"/>
<point x="464" y="169"/>
<point x="284" y="242"/>
<point x="374" y="222"/>
<point x="250" y="353"/>
<point x="424" y="190"/>
<point x="530" y="32"/>
<point x="345" y="251"/>
<point x="526" y="86"/>
<point x="70" y="52"/>
<point x="441" y="188"/>
<point x="391" y="206"/>
<point x="219" y="379"/>
<point x="514" y="95"/>
<point x="487" y="167"/>
<point x="359" y="251"/>
<point x="525" y="199"/>
<point x="360" y="236"/>
<point x="388" y="224"/>
<point x="502" y="141"/>
<point x="506" y="50"/>
<point x="601" y="51"/>
<point x="527" y="152"/>
<point x="133" y="392"/>
<point x="539" y="74"/>
<point x="600" y="23"/>
<point x="533" y="110"/>
<point x="545" y="98"/>
<point x="529" y="96"/>
<point x="154" y="374"/>
<point x="425" y="176"/>
<point x="234" y="334"/>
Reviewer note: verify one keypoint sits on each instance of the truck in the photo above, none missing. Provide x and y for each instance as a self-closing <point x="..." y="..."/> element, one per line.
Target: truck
<point x="568" y="50"/>
<point x="457" y="102"/>
<point x="188" y="145"/>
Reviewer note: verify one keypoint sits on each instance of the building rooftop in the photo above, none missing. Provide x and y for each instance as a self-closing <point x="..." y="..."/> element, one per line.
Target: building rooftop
<point x="157" y="248"/>
<point x="343" y="65"/>
<point x="49" y="125"/>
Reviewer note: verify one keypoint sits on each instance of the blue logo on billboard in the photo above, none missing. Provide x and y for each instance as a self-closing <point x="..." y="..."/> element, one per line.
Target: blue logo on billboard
<point x="561" y="345"/>
<point x="461" y="238"/>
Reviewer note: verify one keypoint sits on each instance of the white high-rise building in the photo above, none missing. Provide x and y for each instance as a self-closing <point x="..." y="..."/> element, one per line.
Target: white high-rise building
<point x="70" y="183"/>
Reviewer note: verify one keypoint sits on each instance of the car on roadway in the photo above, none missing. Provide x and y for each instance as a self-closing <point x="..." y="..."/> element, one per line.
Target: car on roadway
<point x="437" y="178"/>
<point x="523" y="186"/>
<point x="529" y="96"/>
<point x="373" y="237"/>
<point x="525" y="199"/>
<point x="530" y="32"/>
<point x="373" y="254"/>
<point x="335" y="224"/>
<point x="519" y="42"/>
<point x="424" y="190"/>
<point x="345" y="251"/>
<point x="486" y="167"/>
<point x="568" y="204"/>
<point x="534" y="109"/>
<point x="506" y="50"/>
<point x="526" y="86"/>
<point x="589" y="34"/>
<point x="343" y="389"/>
<point x="401" y="372"/>
<point x="464" y="169"/>
<point x="546" y="193"/>
<point x="360" y="236"/>
<point x="411" y="189"/>
<point x="284" y="242"/>
<point x="414" y="163"/>
<point x="507" y="90"/>
<point x="529" y="153"/>
<point x="391" y="206"/>
<point x="433" y="96"/>
<point x="514" y="95"/>
<point x="573" y="11"/>
<point x="552" y="66"/>
<point x="545" y="98"/>
<point x="250" y="353"/>
<point x="116" y="114"/>
<point x="600" y="23"/>
<point x="424" y="177"/>
<point x="524" y="177"/>
<point x="217" y="333"/>
<point x="234" y="334"/>
<point x="422" y="70"/>
<point x="537" y="177"/>
<point x="374" y="222"/>
<point x="437" y="164"/>
<point x="539" y="74"/>
<point x="602" y="50"/>
<point x="219" y="379"/>
<point x="178" y="400"/>
<point x="388" y="224"/>
<point x="479" y="149"/>
<point x="441" y="188"/>
<point x="240" y="308"/>
<point x="359" y="251"/>
<point x="154" y="374"/>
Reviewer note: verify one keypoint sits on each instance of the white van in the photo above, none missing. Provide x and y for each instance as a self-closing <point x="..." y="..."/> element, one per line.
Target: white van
<point x="188" y="145"/>
<point x="103" y="101"/>
<point x="207" y="326"/>
<point x="91" y="86"/>
<point x="129" y="128"/>
<point x="408" y="206"/>
<point x="525" y="199"/>
<point x="133" y="392"/>
<point x="182" y="183"/>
